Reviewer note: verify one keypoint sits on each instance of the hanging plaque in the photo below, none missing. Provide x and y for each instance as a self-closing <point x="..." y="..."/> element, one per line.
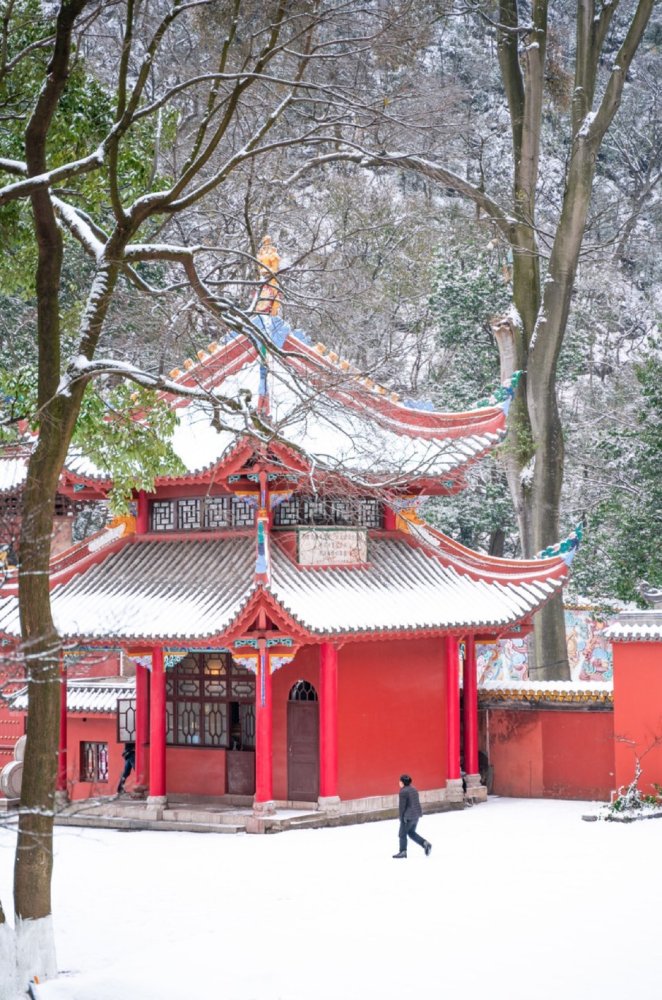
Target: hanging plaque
<point x="332" y="546"/>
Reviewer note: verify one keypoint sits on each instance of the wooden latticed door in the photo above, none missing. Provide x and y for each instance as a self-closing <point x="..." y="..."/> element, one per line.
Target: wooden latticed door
<point x="302" y="743"/>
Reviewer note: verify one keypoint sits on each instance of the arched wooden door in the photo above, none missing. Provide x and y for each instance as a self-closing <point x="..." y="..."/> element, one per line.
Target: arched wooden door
<point x="303" y="752"/>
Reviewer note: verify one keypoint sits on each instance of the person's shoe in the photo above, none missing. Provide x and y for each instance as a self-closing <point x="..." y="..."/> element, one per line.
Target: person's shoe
<point x="428" y="848"/>
<point x="400" y="854"/>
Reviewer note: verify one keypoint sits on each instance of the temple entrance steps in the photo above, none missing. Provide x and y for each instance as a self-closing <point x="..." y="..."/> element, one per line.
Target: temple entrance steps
<point x="227" y="814"/>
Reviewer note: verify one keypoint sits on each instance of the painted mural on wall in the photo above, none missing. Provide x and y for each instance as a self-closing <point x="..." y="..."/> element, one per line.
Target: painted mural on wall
<point x="589" y="653"/>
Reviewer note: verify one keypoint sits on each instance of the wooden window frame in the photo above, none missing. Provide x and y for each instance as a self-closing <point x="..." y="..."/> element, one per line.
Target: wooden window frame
<point x="175" y="699"/>
<point x="96" y="752"/>
<point x="240" y="513"/>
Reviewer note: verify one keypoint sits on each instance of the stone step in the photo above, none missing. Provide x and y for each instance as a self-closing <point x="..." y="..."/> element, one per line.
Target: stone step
<point x="206" y="816"/>
<point x="122" y="823"/>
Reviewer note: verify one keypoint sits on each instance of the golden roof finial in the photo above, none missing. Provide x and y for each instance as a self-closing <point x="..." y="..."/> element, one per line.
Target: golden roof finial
<point x="269" y="295"/>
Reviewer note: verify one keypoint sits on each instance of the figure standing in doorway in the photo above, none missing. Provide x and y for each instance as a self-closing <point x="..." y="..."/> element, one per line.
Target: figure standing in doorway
<point x="410" y="813"/>
<point x="129" y="754"/>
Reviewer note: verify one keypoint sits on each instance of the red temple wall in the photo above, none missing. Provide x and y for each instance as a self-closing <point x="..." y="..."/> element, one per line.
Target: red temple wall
<point x="195" y="771"/>
<point x="391" y="715"/>
<point x="551" y="754"/>
<point x="638" y="711"/>
<point x="98" y="728"/>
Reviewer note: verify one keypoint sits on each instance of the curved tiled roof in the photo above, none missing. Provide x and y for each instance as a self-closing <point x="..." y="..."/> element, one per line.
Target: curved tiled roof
<point x="319" y="406"/>
<point x="150" y="588"/>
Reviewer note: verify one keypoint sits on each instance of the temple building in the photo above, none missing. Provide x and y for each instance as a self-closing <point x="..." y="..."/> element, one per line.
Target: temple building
<point x="296" y="632"/>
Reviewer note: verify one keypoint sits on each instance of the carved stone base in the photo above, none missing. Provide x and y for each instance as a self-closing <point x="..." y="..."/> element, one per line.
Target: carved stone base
<point x="157" y="800"/>
<point x="475" y="791"/>
<point x="454" y="790"/>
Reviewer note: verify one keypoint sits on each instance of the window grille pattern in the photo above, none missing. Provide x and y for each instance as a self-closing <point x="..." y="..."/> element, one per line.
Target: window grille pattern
<point x="303" y="691"/>
<point x="94" y="762"/>
<point x="210" y="702"/>
<point x="189" y="514"/>
<point x="207" y="513"/>
<point x="364" y="512"/>
<point x="67" y="507"/>
<point x="126" y="720"/>
<point x="163" y="515"/>
<point x="243" y="513"/>
<point x="217" y="512"/>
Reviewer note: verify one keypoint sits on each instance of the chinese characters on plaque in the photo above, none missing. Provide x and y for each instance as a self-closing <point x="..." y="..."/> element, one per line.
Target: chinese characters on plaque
<point x="332" y="546"/>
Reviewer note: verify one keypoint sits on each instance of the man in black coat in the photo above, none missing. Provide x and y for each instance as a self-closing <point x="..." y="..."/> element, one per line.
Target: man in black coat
<point x="410" y="813"/>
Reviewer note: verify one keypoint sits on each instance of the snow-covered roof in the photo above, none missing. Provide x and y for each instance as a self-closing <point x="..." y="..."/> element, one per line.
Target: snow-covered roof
<point x="94" y="695"/>
<point x="13" y="472"/>
<point x="194" y="589"/>
<point x="320" y="408"/>
<point x="636" y="626"/>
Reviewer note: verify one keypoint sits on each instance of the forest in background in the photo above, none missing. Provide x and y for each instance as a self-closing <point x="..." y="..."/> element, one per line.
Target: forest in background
<point x="397" y="274"/>
<point x="458" y="190"/>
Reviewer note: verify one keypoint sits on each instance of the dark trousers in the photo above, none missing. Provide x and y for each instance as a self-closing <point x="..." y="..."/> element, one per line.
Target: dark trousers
<point x="128" y="768"/>
<point x="408" y="829"/>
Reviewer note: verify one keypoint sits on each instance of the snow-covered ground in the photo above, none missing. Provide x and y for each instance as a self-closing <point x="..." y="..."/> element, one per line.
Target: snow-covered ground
<point x="519" y="900"/>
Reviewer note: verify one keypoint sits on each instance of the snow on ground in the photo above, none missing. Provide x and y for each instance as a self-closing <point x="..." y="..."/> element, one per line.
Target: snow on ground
<point x="519" y="900"/>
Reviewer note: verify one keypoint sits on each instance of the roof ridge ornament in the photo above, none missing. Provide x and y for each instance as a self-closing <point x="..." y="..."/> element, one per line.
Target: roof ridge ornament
<point x="504" y="394"/>
<point x="269" y="296"/>
<point x="567" y="548"/>
<point x="651" y="594"/>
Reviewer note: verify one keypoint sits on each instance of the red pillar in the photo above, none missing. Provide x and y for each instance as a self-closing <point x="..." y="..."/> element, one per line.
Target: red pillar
<point x="61" y="785"/>
<point x="264" y="795"/>
<point x="389" y="519"/>
<point x="142" y="516"/>
<point x="470" y="707"/>
<point x="328" y="722"/>
<point x="157" y="729"/>
<point x="453" y="707"/>
<point x="142" y="723"/>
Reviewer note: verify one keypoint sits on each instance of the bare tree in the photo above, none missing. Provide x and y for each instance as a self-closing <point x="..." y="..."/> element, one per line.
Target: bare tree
<point x="253" y="95"/>
<point x="545" y="247"/>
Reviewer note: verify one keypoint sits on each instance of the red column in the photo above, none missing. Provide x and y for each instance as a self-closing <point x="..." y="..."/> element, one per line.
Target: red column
<point x="61" y="785"/>
<point x="142" y="516"/>
<point x="142" y="723"/>
<point x="389" y="519"/>
<point x="263" y="733"/>
<point x="328" y="721"/>
<point x="157" y="728"/>
<point x="453" y="707"/>
<point x="470" y="707"/>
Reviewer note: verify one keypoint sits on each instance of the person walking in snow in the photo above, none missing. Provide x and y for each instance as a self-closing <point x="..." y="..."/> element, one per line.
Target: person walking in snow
<point x="410" y="813"/>
<point x="129" y="754"/>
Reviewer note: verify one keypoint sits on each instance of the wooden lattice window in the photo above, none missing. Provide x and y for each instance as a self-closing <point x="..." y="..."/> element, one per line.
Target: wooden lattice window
<point x="202" y="513"/>
<point x="210" y="702"/>
<point x="217" y="512"/>
<point x="188" y="512"/>
<point x="163" y="515"/>
<point x="370" y="513"/>
<point x="364" y="512"/>
<point x="302" y="691"/>
<point x="126" y="720"/>
<point x="94" y="762"/>
<point x="243" y="513"/>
